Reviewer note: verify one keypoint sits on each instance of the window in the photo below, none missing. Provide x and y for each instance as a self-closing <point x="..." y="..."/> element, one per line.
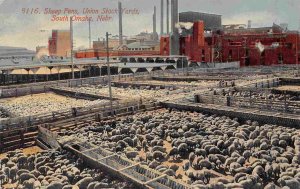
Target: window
<point x="280" y="58"/>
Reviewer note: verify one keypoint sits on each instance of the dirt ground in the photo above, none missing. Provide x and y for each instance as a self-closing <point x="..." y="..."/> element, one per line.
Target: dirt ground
<point x="289" y="88"/>
<point x="26" y="151"/>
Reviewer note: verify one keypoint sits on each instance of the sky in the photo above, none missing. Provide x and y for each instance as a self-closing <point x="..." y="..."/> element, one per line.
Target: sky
<point x="20" y="28"/>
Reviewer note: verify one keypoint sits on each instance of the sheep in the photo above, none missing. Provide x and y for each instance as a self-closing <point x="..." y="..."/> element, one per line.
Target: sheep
<point x="29" y="184"/>
<point x="186" y="166"/>
<point x="271" y="186"/>
<point x="55" y="185"/>
<point x="154" y="164"/>
<point x="238" y="176"/>
<point x="7" y="171"/>
<point x="248" y="183"/>
<point x="269" y="170"/>
<point x="13" y="173"/>
<point x="131" y="154"/>
<point x="229" y="161"/>
<point x="260" y="171"/>
<point x="276" y="170"/>
<point x="144" y="145"/>
<point x="241" y="160"/>
<point x="200" y="152"/>
<point x="159" y="148"/>
<point x="22" y="160"/>
<point x="173" y="152"/>
<point x="149" y="156"/>
<point x="292" y="183"/>
<point x="174" y="167"/>
<point x="203" y="175"/>
<point x="233" y="166"/>
<point x="71" y="187"/>
<point x="159" y="155"/>
<point x="2" y="178"/>
<point x="83" y="183"/>
<point x="205" y="163"/>
<point x="192" y="156"/>
<point x="4" y="161"/>
<point x="101" y="185"/>
<point x="170" y="172"/>
<point x="26" y="176"/>
<point x="183" y="149"/>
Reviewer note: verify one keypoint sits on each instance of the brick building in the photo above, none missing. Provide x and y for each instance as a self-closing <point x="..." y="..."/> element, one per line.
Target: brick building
<point x="59" y="43"/>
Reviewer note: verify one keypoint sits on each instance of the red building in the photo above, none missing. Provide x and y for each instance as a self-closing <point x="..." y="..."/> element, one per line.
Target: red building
<point x="252" y="47"/>
<point x="59" y="43"/>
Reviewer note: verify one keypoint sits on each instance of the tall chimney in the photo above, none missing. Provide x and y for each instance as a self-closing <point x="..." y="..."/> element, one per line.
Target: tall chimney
<point x="174" y="46"/>
<point x="168" y="19"/>
<point x="161" y="17"/>
<point x="249" y="23"/>
<point x="172" y="15"/>
<point x="154" y="21"/>
<point x="90" y="38"/>
<point x="120" y="24"/>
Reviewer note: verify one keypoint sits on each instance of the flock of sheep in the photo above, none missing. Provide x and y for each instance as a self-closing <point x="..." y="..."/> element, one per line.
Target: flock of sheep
<point x="206" y="151"/>
<point x="52" y="170"/>
<point x="3" y="115"/>
<point x="43" y="103"/>
<point x="123" y="93"/>
<point x="261" y="95"/>
<point x="206" y="83"/>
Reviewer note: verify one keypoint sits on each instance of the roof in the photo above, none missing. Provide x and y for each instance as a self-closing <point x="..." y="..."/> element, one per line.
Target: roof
<point x="200" y="13"/>
<point x="254" y="30"/>
<point x="6" y="51"/>
<point x="144" y="44"/>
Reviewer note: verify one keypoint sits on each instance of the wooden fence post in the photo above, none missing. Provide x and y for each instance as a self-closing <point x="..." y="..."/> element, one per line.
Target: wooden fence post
<point x="228" y="101"/>
<point x="1" y="143"/>
<point x="22" y="138"/>
<point x="285" y="103"/>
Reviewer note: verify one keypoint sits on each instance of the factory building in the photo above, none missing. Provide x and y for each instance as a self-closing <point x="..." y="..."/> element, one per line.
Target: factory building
<point x="142" y="44"/>
<point x="59" y="43"/>
<point x="211" y="21"/>
<point x="101" y="45"/>
<point x="250" y="46"/>
<point x="7" y="52"/>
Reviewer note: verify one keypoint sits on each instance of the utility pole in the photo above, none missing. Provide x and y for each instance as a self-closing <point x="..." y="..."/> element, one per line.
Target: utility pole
<point x="108" y="71"/>
<point x="297" y="51"/>
<point x="71" y="39"/>
<point x="168" y="20"/>
<point x="182" y="61"/>
<point x="90" y="38"/>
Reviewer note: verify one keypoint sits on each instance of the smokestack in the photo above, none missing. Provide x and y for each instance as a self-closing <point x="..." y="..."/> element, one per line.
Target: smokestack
<point x="120" y="24"/>
<point x="154" y="21"/>
<point x="90" y="37"/>
<point x="161" y="17"/>
<point x="175" y="33"/>
<point x="172" y="15"/>
<point x="168" y="19"/>
<point x="249" y="23"/>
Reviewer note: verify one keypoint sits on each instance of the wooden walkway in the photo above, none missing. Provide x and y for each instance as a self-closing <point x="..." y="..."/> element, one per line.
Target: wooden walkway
<point x="140" y="175"/>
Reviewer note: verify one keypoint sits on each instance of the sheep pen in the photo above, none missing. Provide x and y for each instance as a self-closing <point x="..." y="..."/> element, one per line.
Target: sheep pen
<point x="43" y="103"/>
<point x="52" y="170"/>
<point x="206" y="151"/>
